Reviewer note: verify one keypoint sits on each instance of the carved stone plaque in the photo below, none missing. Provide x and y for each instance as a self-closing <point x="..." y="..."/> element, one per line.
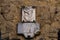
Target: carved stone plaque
<point x="28" y="29"/>
<point x="28" y="14"/>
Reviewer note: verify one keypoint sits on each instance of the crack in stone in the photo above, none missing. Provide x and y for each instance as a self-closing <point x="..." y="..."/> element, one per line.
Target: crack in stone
<point x="3" y="16"/>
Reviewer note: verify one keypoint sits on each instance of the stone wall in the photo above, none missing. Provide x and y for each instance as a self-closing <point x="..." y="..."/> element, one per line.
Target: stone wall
<point x="47" y="15"/>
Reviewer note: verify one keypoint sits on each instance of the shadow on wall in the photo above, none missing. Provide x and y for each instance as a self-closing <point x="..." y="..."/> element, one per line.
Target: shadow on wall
<point x="59" y="35"/>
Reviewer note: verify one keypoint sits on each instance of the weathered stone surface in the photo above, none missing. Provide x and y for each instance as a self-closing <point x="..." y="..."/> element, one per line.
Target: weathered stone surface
<point x="47" y="15"/>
